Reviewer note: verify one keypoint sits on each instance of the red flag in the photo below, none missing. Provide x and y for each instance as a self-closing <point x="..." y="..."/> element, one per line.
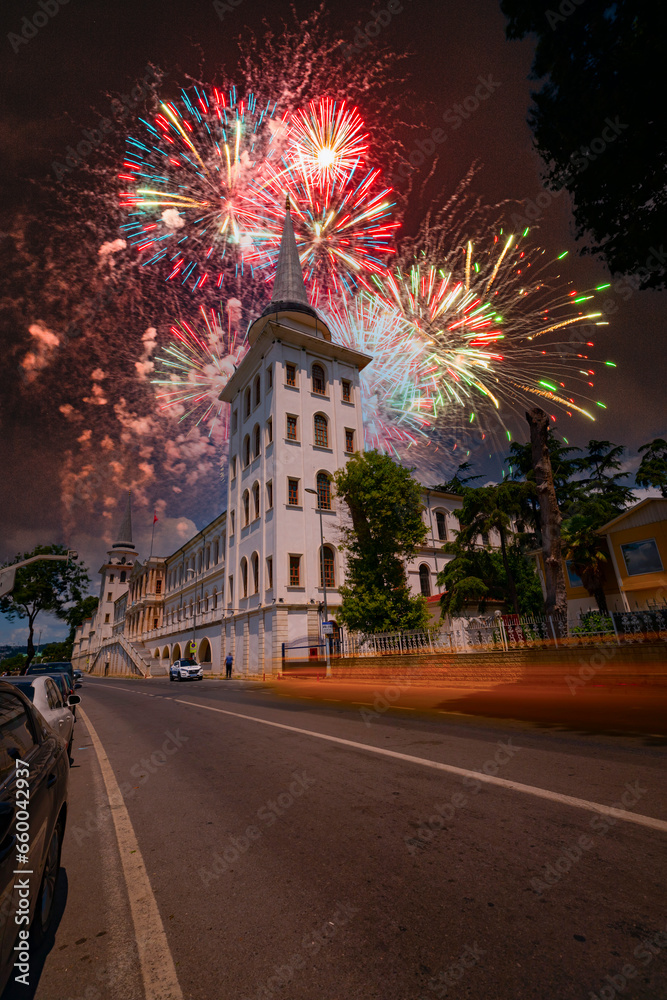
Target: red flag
<point x="155" y="517"/>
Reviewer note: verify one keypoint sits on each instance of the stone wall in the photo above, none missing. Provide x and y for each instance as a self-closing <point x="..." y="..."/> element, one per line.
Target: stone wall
<point x="636" y="663"/>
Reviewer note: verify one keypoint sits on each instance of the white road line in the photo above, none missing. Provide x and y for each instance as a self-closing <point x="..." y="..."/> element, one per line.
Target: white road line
<point x="157" y="965"/>
<point x="515" y="786"/>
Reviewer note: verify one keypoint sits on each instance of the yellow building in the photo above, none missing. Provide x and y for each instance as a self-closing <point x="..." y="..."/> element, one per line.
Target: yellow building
<point x="637" y="542"/>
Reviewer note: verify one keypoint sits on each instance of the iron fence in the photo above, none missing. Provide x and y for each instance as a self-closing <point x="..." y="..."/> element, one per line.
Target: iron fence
<point x="497" y="633"/>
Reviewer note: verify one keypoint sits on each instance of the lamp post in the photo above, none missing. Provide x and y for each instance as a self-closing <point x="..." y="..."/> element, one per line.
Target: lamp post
<point x="324" y="581"/>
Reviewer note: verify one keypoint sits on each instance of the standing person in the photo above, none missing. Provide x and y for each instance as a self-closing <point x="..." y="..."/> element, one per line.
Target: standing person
<point x="228" y="665"/>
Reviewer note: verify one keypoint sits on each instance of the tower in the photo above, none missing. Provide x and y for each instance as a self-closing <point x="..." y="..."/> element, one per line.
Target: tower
<point x="295" y="419"/>
<point x="115" y="573"/>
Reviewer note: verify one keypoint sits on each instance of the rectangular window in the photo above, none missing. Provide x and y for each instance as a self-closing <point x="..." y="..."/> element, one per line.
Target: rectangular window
<point x="231" y="589"/>
<point x="235" y="420"/>
<point x="269" y="495"/>
<point x="290" y="374"/>
<point x="291" y="428"/>
<point x="295" y="571"/>
<point x="232" y="522"/>
<point x="155" y="623"/>
<point x="106" y="619"/>
<point x="349" y="441"/>
<point x="269" y="430"/>
<point x="321" y="431"/>
<point x="269" y="377"/>
<point x="158" y="587"/>
<point x="233" y="465"/>
<point x="293" y="492"/>
<point x="111" y="578"/>
<point x="347" y="390"/>
<point x="269" y="573"/>
<point x="642" y="557"/>
<point x="574" y="578"/>
<point x="109" y="598"/>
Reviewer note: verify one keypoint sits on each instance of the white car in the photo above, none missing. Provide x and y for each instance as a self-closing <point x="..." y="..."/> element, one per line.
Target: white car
<point x="48" y="699"/>
<point x="185" y="670"/>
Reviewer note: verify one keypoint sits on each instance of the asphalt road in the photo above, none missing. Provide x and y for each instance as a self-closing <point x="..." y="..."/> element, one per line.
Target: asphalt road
<point x="247" y="860"/>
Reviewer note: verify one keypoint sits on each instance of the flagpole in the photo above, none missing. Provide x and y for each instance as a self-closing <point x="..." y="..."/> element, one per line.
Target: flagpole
<point x="153" y="535"/>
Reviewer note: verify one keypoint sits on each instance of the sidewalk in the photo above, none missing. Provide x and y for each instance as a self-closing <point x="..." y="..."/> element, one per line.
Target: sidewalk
<point x="594" y="706"/>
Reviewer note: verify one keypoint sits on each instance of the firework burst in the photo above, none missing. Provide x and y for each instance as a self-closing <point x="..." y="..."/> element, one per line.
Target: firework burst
<point x="193" y="370"/>
<point x="189" y="181"/>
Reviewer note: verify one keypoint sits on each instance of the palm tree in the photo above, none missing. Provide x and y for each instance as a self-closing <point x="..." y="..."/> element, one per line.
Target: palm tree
<point x="495" y="508"/>
<point x="652" y="470"/>
<point x="586" y="551"/>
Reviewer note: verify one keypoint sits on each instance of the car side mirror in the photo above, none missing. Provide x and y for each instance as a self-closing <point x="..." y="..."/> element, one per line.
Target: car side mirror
<point x="74" y="699"/>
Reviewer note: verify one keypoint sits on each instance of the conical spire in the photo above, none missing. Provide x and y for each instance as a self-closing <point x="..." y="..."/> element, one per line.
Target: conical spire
<point x="288" y="285"/>
<point x="125" y="533"/>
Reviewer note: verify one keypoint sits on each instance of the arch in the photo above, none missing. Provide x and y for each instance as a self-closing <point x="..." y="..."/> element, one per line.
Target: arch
<point x="246" y="451"/>
<point x="323" y="491"/>
<point x="321" y="427"/>
<point x="165" y="653"/>
<point x="246" y="403"/>
<point x="425" y="579"/>
<point x="256" y="441"/>
<point x="156" y="653"/>
<point x="327" y="566"/>
<point x="318" y="379"/>
<point x="258" y="390"/>
<point x="246" y="508"/>
<point x="244" y="577"/>
<point x="204" y="651"/>
<point x="176" y="652"/>
<point x="255" y="500"/>
<point x="255" y="572"/>
<point x="123" y="576"/>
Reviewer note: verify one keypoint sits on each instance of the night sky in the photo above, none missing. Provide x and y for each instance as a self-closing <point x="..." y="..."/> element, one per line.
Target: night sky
<point x="62" y="81"/>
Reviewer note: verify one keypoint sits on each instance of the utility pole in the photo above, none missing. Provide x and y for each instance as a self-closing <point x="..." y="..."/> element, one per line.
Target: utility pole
<point x="324" y="583"/>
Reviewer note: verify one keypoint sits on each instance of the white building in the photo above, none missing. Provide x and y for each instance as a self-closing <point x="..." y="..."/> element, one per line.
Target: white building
<point x="254" y="579"/>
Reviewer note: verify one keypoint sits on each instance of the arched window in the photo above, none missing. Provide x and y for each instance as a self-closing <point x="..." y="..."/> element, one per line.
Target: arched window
<point x="441" y="524"/>
<point x="258" y="390"/>
<point x="323" y="491"/>
<point x="123" y="576"/>
<point x="319" y="380"/>
<point x="425" y="580"/>
<point x="215" y="598"/>
<point x="246" y="402"/>
<point x="256" y="441"/>
<point x="321" y="431"/>
<point x="246" y="508"/>
<point x="255" y="500"/>
<point x="244" y="576"/>
<point x="327" y="565"/>
<point x="255" y="573"/>
<point x="246" y="451"/>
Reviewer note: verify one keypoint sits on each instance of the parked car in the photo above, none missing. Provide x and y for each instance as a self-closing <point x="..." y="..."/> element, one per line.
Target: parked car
<point x="53" y="668"/>
<point x="30" y="752"/>
<point x="62" y="680"/>
<point x="185" y="670"/>
<point x="47" y="697"/>
<point x="78" y="678"/>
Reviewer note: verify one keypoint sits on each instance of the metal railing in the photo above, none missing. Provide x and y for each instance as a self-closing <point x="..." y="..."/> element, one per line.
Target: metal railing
<point x="499" y="633"/>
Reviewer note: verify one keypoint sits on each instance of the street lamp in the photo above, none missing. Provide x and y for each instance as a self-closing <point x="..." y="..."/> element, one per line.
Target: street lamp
<point x="324" y="580"/>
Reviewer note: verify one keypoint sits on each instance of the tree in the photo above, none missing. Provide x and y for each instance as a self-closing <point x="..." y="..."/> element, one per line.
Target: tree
<point x="459" y="480"/>
<point x="478" y="576"/>
<point x="608" y="150"/>
<point x="587" y="552"/>
<point x="494" y="508"/>
<point x="44" y="586"/>
<point x="550" y="515"/>
<point x="13" y="664"/>
<point x="564" y="466"/>
<point x="652" y="469"/>
<point x="604" y="495"/>
<point x="387" y="527"/>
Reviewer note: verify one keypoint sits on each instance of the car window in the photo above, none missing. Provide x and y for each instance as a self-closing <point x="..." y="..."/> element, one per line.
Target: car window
<point x="26" y="688"/>
<point x="53" y="695"/>
<point x="16" y="738"/>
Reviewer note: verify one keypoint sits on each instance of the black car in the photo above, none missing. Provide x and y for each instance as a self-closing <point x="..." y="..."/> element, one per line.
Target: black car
<point x="34" y="772"/>
<point x="64" y="667"/>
